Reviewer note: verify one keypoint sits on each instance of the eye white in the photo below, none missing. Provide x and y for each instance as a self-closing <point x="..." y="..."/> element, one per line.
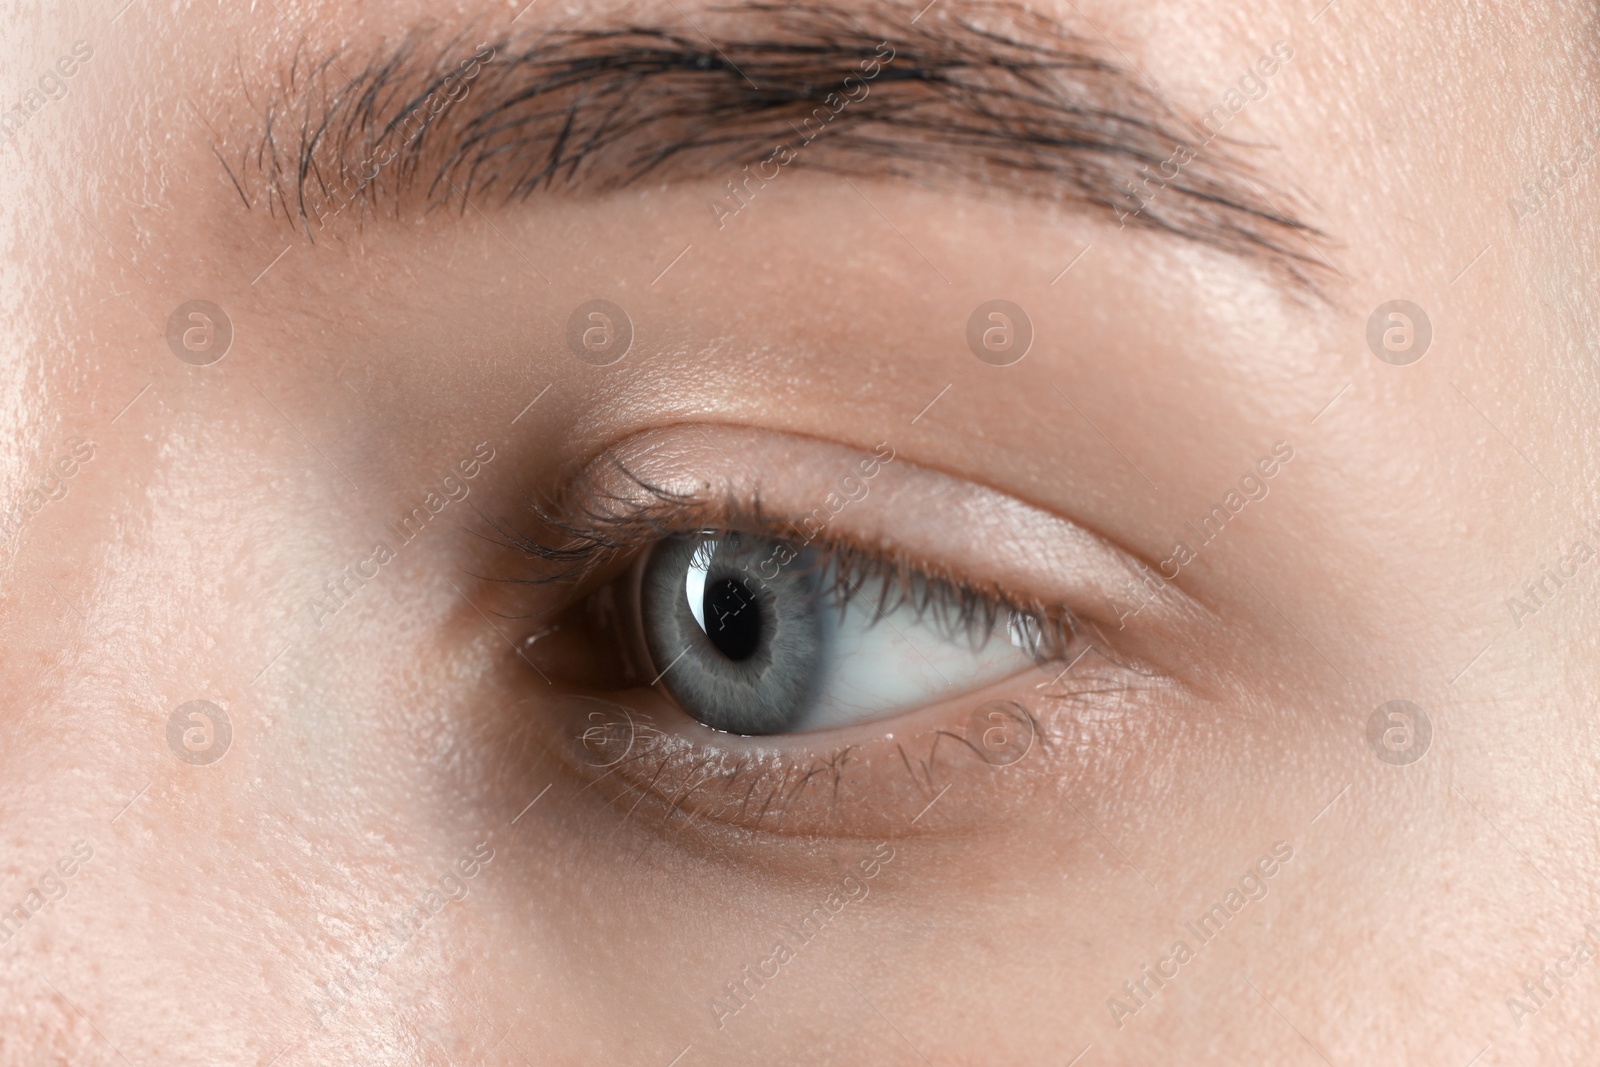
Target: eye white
<point x="879" y="664"/>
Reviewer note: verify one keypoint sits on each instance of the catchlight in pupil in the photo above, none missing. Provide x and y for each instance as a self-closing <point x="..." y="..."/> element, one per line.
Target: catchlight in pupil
<point x="733" y="619"/>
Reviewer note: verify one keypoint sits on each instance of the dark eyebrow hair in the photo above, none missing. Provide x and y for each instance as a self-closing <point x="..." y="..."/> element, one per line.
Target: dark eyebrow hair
<point x="991" y="94"/>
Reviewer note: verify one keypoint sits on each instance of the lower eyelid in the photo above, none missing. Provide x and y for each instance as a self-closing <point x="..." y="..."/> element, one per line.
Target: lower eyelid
<point x="660" y="771"/>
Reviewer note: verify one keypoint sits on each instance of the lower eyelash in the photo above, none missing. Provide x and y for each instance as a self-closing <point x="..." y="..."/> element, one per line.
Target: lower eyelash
<point x="643" y="767"/>
<point x="674" y="771"/>
<point x="592" y="529"/>
<point x="641" y="742"/>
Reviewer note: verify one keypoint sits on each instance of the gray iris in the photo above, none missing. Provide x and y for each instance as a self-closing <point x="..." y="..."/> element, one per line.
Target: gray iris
<point x="741" y="639"/>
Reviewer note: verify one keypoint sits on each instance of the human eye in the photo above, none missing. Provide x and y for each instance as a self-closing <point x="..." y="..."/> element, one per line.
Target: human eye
<point x="724" y="647"/>
<point x="753" y="634"/>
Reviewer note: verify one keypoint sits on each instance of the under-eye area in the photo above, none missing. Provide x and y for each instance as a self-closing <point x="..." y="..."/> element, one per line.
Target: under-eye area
<point x="999" y="750"/>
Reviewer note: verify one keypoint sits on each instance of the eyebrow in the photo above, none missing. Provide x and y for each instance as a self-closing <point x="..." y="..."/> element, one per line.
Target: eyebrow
<point x="989" y="95"/>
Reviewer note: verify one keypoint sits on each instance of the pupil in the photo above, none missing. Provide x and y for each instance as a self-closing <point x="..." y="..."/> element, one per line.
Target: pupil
<point x="733" y="618"/>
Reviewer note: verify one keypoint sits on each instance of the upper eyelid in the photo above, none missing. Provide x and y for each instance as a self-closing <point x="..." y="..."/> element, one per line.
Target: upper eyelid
<point x="683" y="477"/>
<point x="610" y="509"/>
<point x="597" y="527"/>
<point x="677" y="468"/>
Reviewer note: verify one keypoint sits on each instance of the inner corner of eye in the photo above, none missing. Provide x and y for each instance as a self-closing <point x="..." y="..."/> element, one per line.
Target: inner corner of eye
<point x="751" y="636"/>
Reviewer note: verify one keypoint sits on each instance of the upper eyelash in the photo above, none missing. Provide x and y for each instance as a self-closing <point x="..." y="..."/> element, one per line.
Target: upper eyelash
<point x="600" y="526"/>
<point x="957" y="607"/>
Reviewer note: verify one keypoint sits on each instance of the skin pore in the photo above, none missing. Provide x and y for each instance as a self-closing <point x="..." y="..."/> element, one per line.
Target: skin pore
<point x="448" y="815"/>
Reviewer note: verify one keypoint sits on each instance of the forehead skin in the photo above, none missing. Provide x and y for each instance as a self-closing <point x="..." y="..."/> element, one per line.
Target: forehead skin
<point x="368" y="761"/>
